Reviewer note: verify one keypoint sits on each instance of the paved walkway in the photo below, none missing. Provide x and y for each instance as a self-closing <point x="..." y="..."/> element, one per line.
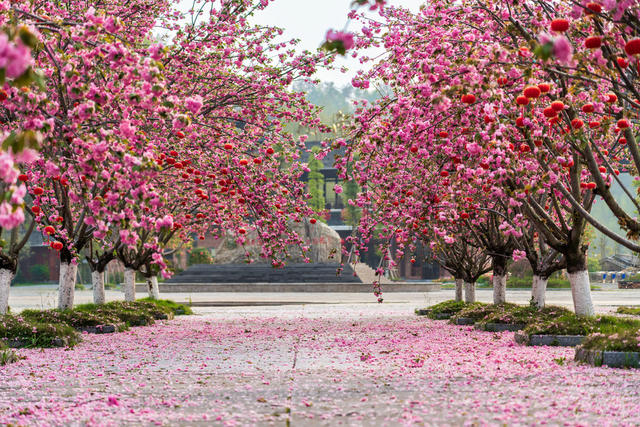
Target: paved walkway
<point x="347" y="364"/>
<point x="46" y="297"/>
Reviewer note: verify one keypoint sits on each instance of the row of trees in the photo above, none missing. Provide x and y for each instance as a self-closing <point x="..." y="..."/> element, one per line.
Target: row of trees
<point x="506" y="123"/>
<point x="146" y="143"/>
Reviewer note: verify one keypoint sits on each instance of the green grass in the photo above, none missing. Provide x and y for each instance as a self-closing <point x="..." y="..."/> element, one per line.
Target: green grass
<point x="176" y="308"/>
<point x="524" y="314"/>
<point x="77" y="319"/>
<point x="635" y="311"/>
<point x="478" y="311"/>
<point x="625" y="338"/>
<point x="450" y="307"/>
<point x="130" y="313"/>
<point x="34" y="334"/>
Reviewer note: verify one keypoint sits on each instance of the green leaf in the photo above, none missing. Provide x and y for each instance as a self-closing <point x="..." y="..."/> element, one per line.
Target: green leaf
<point x="27" y="37"/>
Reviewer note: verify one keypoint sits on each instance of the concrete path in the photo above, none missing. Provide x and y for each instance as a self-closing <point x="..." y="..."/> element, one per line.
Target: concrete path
<point x="46" y="297"/>
<point x="341" y="364"/>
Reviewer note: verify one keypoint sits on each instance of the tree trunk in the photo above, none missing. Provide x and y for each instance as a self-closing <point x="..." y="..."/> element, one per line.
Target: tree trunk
<point x="499" y="267"/>
<point x="97" y="279"/>
<point x="129" y="284"/>
<point x="152" y="286"/>
<point x="67" y="284"/>
<point x="581" y="293"/>
<point x="459" y="286"/>
<point x="6" y="276"/>
<point x="469" y="292"/>
<point x="538" y="290"/>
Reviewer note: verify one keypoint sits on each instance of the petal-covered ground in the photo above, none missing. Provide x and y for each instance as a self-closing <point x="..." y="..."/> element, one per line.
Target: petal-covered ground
<point x="353" y="365"/>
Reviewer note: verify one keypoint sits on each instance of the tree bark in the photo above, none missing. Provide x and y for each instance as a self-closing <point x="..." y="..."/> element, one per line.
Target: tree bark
<point x="97" y="279"/>
<point x="469" y="292"/>
<point x="538" y="290"/>
<point x="459" y="286"/>
<point x="581" y="293"/>
<point x="129" y="284"/>
<point x="152" y="286"/>
<point x="6" y="276"/>
<point x="499" y="266"/>
<point x="67" y="284"/>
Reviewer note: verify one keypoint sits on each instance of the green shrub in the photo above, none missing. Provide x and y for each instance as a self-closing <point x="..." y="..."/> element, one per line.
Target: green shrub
<point x="174" y="307"/>
<point x="478" y="311"/>
<point x="524" y="314"/>
<point x="483" y="281"/>
<point x="127" y="312"/>
<point x="571" y="324"/>
<point x="200" y="256"/>
<point x="558" y="282"/>
<point x="33" y="334"/>
<point x="75" y="318"/>
<point x="39" y="272"/>
<point x="519" y="282"/>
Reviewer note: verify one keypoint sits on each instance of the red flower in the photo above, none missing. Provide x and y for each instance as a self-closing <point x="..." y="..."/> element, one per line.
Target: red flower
<point x="588" y="108"/>
<point x="228" y="146"/>
<point x="49" y="230"/>
<point x="173" y="153"/>
<point x="623" y="141"/>
<point x="612" y="97"/>
<point x="414" y="149"/>
<point x="632" y="47"/>
<point x="594" y="124"/>
<point x="544" y="87"/>
<point x="557" y="105"/>
<point x="313" y="221"/>
<point x="623" y="123"/>
<point x="623" y="63"/>
<point x="559" y="25"/>
<point x="593" y="8"/>
<point x="444" y="174"/>
<point x="38" y="191"/>
<point x="520" y="122"/>
<point x="57" y="245"/>
<point x="443" y="134"/>
<point x="242" y="231"/>
<point x="468" y="99"/>
<point x="549" y="112"/>
<point x="592" y="42"/>
<point x="270" y="150"/>
<point x="522" y="100"/>
<point x="532" y="92"/>
<point x="577" y="123"/>
<point x="35" y="209"/>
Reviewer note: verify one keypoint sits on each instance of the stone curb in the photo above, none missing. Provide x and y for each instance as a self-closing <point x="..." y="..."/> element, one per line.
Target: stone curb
<point x="500" y="327"/>
<point x="549" y="340"/>
<point x="613" y="359"/>
<point x="102" y="329"/>
<point x="465" y="321"/>
<point x="18" y="343"/>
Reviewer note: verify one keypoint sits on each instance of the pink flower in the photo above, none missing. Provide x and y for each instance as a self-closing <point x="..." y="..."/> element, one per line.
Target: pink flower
<point x="562" y="49"/>
<point x="113" y="401"/>
<point x="345" y="38"/>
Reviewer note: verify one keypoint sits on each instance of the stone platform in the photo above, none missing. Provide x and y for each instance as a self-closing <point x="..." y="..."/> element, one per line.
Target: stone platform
<point x="264" y="273"/>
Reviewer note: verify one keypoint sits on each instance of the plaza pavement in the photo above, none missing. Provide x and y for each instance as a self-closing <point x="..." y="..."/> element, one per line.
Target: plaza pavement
<point x="45" y="296"/>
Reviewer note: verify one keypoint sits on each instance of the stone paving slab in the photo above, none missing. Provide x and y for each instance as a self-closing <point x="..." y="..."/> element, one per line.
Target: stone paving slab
<point x="348" y="364"/>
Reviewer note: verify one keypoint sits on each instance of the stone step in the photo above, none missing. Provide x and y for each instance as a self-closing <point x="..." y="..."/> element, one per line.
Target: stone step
<point x="290" y="287"/>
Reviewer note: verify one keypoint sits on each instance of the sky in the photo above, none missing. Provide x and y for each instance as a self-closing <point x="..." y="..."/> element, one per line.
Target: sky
<point x="309" y="20"/>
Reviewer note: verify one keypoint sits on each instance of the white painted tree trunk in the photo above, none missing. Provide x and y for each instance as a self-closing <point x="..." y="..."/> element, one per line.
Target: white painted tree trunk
<point x="67" y="285"/>
<point x="469" y="292"/>
<point x="129" y="284"/>
<point x="538" y="291"/>
<point x="152" y="286"/>
<point x="499" y="289"/>
<point x="581" y="292"/>
<point x="6" y="276"/>
<point x="97" y="279"/>
<point x="459" y="286"/>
